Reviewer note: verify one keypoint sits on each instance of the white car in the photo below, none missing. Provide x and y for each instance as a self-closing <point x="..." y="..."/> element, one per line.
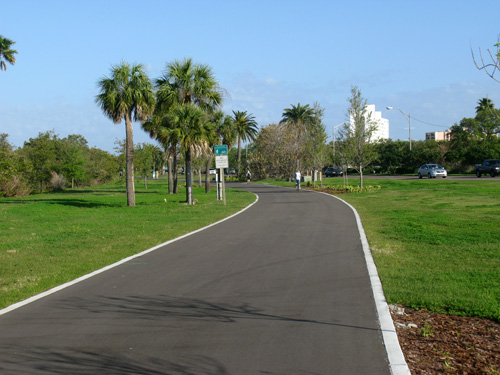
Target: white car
<point x="212" y="171"/>
<point x="432" y="171"/>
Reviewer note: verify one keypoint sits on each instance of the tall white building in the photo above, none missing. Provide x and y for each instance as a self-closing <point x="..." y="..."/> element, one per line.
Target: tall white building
<point x="382" y="131"/>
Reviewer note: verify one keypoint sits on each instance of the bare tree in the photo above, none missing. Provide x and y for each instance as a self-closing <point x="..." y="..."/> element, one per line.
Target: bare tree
<point x="490" y="68"/>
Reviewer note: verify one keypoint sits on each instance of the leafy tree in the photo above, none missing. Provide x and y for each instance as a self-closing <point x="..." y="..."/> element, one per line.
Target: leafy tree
<point x="356" y="136"/>
<point x="298" y="119"/>
<point x="12" y="175"/>
<point x="273" y="154"/>
<point x="6" y="52"/>
<point x="316" y="152"/>
<point x="393" y="156"/>
<point x="73" y="158"/>
<point x="246" y="130"/>
<point x="42" y="155"/>
<point x="127" y="95"/>
<point x="101" y="166"/>
<point x="475" y="139"/>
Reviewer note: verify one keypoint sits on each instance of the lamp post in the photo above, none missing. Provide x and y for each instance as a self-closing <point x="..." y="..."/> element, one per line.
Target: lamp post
<point x="408" y="116"/>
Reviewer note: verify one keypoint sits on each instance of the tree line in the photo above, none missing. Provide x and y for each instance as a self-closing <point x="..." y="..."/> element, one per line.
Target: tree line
<point x="182" y="111"/>
<point x="50" y="162"/>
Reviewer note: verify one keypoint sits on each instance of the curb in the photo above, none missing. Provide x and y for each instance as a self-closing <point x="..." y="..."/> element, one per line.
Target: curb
<point x="397" y="362"/>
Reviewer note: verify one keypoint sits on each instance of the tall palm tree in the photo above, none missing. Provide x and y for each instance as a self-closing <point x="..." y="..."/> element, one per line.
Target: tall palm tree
<point x="300" y="119"/>
<point x="127" y="95"/>
<point x="299" y="115"/>
<point x="191" y="128"/>
<point x="6" y="52"/>
<point x="185" y="82"/>
<point x="246" y="130"/>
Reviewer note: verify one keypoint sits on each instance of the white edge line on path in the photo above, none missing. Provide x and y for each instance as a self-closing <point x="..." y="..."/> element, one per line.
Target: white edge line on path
<point x="104" y="269"/>
<point x="395" y="355"/>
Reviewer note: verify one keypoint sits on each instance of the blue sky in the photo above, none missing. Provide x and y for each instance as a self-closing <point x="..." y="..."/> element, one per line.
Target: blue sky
<point x="267" y="55"/>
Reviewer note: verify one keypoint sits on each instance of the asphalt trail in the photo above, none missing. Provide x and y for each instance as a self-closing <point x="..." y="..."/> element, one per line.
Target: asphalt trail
<point x="281" y="288"/>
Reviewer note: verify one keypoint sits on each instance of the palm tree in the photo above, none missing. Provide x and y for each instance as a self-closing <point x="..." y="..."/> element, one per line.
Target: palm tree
<point x="191" y="128"/>
<point x="184" y="82"/>
<point x="246" y="130"/>
<point x="300" y="118"/>
<point x="483" y="105"/>
<point x="6" y="52"/>
<point x="127" y="94"/>
<point x="159" y="127"/>
<point x="223" y="132"/>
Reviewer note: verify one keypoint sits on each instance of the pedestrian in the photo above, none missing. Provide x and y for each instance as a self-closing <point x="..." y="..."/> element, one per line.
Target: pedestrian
<point x="249" y="177"/>
<point x="297" y="180"/>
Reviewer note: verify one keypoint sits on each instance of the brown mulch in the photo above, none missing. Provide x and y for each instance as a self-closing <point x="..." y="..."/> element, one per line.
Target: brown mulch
<point x="435" y="343"/>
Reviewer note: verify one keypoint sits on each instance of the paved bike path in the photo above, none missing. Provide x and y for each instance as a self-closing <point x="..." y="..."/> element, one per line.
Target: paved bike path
<point x="282" y="288"/>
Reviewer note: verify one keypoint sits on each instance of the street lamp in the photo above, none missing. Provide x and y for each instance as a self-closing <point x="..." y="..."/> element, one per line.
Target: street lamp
<point x="408" y="116"/>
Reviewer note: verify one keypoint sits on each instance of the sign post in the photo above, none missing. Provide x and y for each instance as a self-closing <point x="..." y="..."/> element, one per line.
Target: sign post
<point x="221" y="162"/>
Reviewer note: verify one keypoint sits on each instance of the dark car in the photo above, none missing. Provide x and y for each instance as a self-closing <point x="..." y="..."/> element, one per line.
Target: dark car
<point x="333" y="172"/>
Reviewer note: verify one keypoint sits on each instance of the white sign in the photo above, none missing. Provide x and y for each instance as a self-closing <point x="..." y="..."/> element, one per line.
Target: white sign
<point x="221" y="161"/>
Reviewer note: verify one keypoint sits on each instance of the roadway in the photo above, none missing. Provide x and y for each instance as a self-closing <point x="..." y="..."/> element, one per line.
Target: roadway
<point x="281" y="288"/>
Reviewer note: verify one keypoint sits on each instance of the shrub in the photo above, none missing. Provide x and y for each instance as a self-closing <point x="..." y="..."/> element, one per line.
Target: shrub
<point x="15" y="186"/>
<point x="57" y="181"/>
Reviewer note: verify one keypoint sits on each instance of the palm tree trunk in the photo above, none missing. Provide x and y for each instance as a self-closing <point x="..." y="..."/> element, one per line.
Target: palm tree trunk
<point x="129" y="152"/>
<point x="239" y="155"/>
<point x="170" y="176"/>
<point x="189" y="180"/>
<point x="174" y="171"/>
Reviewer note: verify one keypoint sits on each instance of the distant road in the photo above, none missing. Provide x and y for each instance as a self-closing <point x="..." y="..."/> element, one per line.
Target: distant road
<point x="281" y="288"/>
<point x="415" y="177"/>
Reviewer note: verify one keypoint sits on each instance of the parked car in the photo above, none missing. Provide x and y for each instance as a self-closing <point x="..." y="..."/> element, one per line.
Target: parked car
<point x="212" y="171"/>
<point x="230" y="171"/>
<point x="333" y="172"/>
<point x="489" y="166"/>
<point x="432" y="171"/>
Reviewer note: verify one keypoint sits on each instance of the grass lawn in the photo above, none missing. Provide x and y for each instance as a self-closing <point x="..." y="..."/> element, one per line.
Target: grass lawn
<point x="436" y="243"/>
<point x="49" y="239"/>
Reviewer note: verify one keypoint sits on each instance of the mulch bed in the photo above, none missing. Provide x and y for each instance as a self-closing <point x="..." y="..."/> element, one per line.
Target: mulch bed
<point x="447" y="344"/>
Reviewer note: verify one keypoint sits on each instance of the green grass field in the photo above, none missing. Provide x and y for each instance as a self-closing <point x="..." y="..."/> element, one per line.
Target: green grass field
<point x="436" y="243"/>
<point x="48" y="239"/>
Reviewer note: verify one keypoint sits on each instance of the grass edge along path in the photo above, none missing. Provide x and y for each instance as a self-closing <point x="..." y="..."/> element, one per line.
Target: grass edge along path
<point x="52" y="238"/>
<point x="436" y="243"/>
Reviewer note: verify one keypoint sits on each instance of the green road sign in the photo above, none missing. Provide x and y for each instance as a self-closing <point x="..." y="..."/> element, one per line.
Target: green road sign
<point x="220" y="150"/>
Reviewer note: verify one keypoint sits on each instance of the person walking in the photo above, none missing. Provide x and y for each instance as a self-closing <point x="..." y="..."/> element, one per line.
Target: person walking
<point x="249" y="177"/>
<point x="297" y="180"/>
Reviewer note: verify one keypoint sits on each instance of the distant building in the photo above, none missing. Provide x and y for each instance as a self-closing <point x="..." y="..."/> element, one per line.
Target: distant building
<point x="382" y="131"/>
<point x="438" y="136"/>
